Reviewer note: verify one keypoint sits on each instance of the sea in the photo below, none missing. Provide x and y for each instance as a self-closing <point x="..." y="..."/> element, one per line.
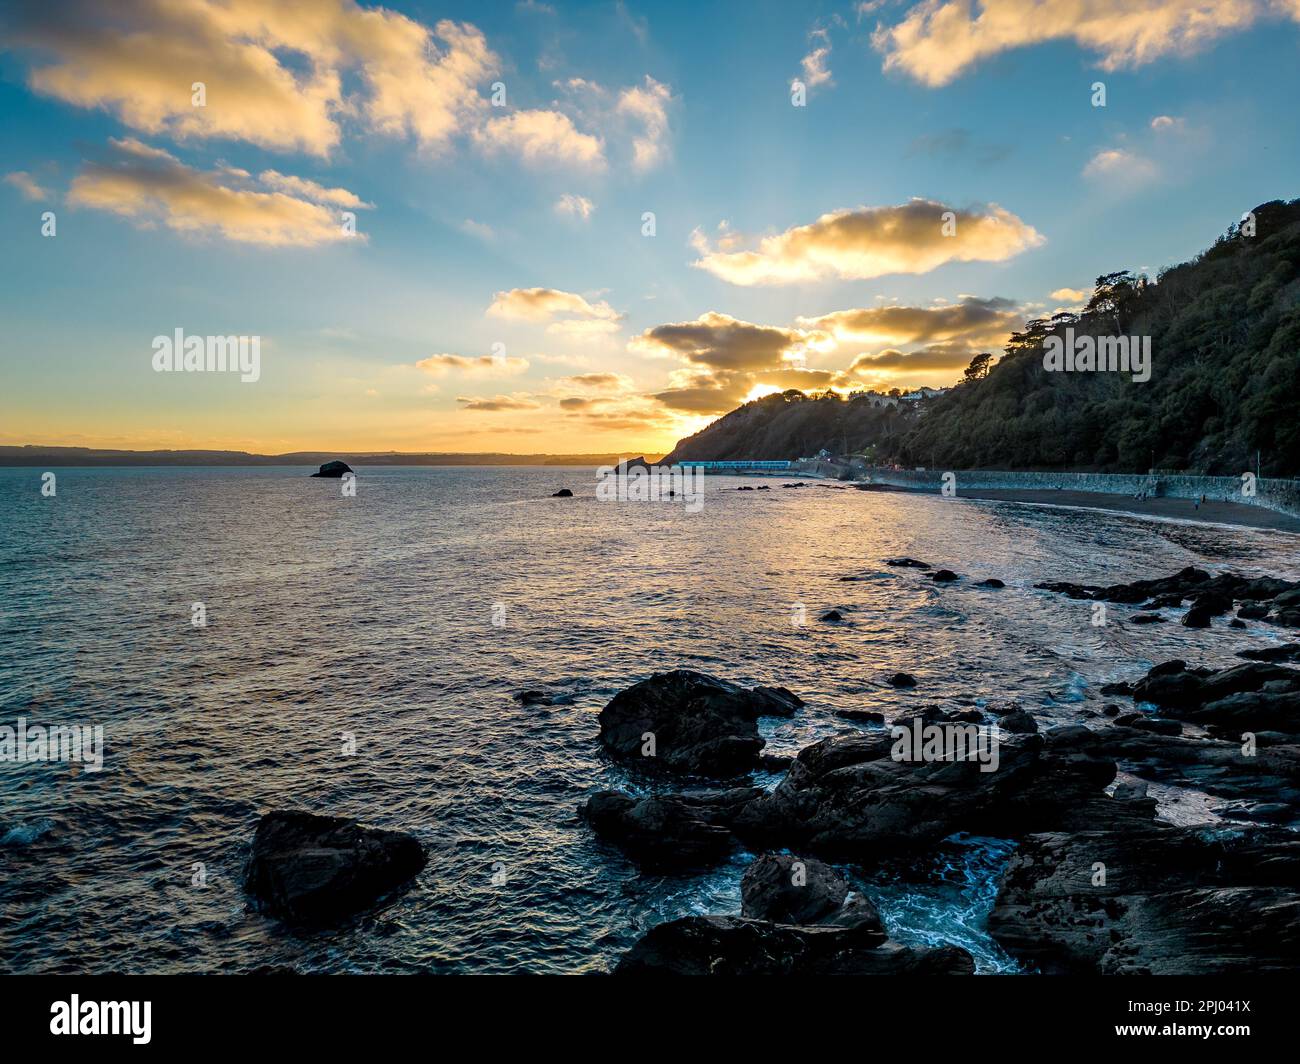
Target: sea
<point x="253" y="639"/>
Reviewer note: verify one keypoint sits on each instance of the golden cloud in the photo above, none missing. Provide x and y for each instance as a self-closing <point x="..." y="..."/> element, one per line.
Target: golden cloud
<point x="939" y="40"/>
<point x="151" y="186"/>
<point x="723" y="342"/>
<point x="973" y="320"/>
<point x="867" y="242"/>
<point x="480" y="366"/>
<point x="546" y="304"/>
<point x="140" y="58"/>
<point x="498" y="403"/>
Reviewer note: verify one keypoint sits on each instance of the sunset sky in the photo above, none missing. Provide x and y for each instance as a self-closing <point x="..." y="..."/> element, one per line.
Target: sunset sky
<point x="499" y="293"/>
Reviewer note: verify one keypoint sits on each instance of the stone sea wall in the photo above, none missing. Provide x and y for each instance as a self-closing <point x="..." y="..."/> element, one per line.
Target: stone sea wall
<point x="1282" y="496"/>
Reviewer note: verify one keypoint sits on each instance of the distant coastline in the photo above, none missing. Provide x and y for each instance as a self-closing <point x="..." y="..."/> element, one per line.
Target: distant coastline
<point x="54" y="457"/>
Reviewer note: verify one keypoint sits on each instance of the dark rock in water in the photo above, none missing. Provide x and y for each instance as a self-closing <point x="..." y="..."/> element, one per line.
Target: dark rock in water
<point x="992" y="581"/>
<point x="1159" y="725"/>
<point x="1116" y="689"/>
<point x="1110" y="710"/>
<point x="1128" y="718"/>
<point x="775" y="762"/>
<point x="967" y="716"/>
<point x="699" y="725"/>
<point x="734" y="945"/>
<point x="319" y="869"/>
<point x="563" y="493"/>
<point x="1252" y="611"/>
<point x="1175" y="901"/>
<point x="1018" y="722"/>
<point x="1164" y="602"/>
<point x="1218" y="768"/>
<point x="1256" y="696"/>
<point x="944" y="576"/>
<point x="333" y="469"/>
<point x="1197" y="617"/>
<point x="831" y="615"/>
<point x="1236" y="622"/>
<point x="902" y="679"/>
<point x="1284" y="652"/>
<point x="1287" y="618"/>
<point x="1146" y="618"/>
<point x="847" y="796"/>
<point x="799" y="890"/>
<point x="543" y="698"/>
<point x="669" y="832"/>
<point x="907" y="563"/>
<point x="861" y="716"/>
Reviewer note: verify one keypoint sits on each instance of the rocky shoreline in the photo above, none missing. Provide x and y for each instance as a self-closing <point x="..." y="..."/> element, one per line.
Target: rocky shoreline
<point x="1097" y="882"/>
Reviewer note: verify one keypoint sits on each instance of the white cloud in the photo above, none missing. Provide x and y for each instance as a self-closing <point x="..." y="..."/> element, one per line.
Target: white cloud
<point x="575" y="206"/>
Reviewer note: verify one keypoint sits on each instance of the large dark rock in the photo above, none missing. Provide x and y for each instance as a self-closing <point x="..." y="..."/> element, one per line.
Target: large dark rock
<point x="734" y="945"/>
<point x="669" y="832"/>
<point x="1174" y="901"/>
<point x="802" y="890"/>
<point x="847" y="797"/>
<point x="318" y="869"/>
<point x="563" y="493"/>
<point x="333" y="469"/>
<point x="1211" y="595"/>
<point x="700" y="725"/>
<point x="1282" y="652"/>
<point x="1256" y="696"/>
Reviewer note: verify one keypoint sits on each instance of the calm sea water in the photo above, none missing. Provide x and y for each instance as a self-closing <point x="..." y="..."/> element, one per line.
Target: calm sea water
<point x="373" y="615"/>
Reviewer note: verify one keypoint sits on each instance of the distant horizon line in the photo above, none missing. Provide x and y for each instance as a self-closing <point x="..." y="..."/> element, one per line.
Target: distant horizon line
<point x="25" y="455"/>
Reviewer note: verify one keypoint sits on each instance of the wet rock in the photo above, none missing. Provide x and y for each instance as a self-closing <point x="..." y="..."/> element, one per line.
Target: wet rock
<point x="1159" y="725"/>
<point x="902" y="679"/>
<point x="543" y="698"/>
<point x="847" y="796"/>
<point x="735" y="945"/>
<point x="799" y="890"/>
<point x="320" y="869"/>
<point x="1197" y="617"/>
<point x="1018" y="722"/>
<point x="1110" y="710"/>
<point x="700" y="725"/>
<point x="775" y="762"/>
<point x="669" y="832"/>
<point x="1146" y="618"/>
<point x="861" y="716"/>
<point x="1164" y="602"/>
<point x="1257" y="696"/>
<point x="831" y="616"/>
<point x="1283" y="652"/>
<point x="992" y="581"/>
<point x="1174" y="901"/>
<point x="1116" y="689"/>
<point x="1252" y="611"/>
<point x="563" y="493"/>
<point x="907" y="563"/>
<point x="1236" y="622"/>
<point x="944" y="576"/>
<point x="1222" y="769"/>
<point x="333" y="469"/>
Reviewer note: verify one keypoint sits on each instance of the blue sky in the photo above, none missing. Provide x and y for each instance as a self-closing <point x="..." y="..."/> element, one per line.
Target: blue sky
<point x="476" y="311"/>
